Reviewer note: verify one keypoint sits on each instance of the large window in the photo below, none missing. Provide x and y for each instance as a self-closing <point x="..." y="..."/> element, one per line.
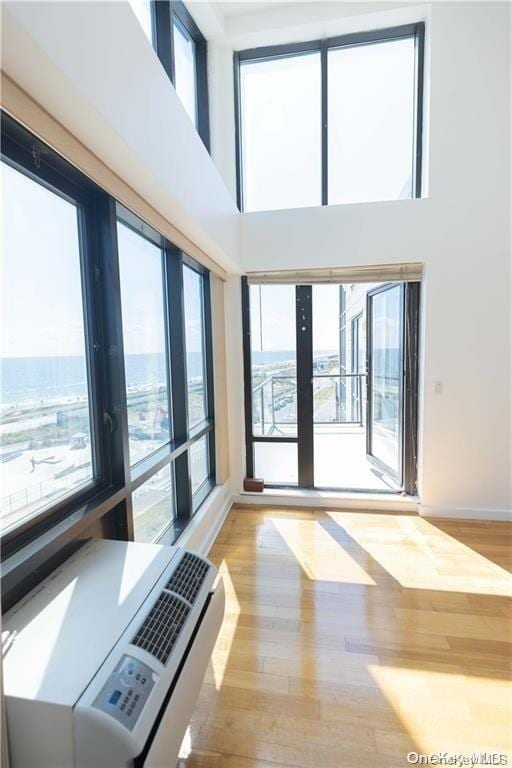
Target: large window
<point x="331" y="121"/>
<point x="280" y="140"/>
<point x="46" y="432"/>
<point x="105" y="347"/>
<point x="144" y="338"/>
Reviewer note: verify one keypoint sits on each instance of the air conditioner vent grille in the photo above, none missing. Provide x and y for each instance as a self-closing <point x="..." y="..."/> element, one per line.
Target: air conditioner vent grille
<point x="188" y="577"/>
<point x="161" y="628"/>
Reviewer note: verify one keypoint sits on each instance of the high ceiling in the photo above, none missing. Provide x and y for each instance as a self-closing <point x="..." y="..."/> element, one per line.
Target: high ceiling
<point x="237" y="8"/>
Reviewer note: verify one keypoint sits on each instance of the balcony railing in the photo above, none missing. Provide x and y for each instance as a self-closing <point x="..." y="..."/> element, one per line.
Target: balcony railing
<point x="337" y="399"/>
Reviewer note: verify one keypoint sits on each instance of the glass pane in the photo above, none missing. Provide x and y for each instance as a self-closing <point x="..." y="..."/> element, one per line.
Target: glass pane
<point x="276" y="463"/>
<point x="185" y="69"/>
<point x="273" y="359"/>
<point x="153" y="506"/>
<point x="199" y="464"/>
<point x="194" y="339"/>
<point x="45" y="427"/>
<point x="142" y="10"/>
<point x="339" y="390"/>
<point x="280" y="102"/>
<point x="145" y="358"/>
<point x="386" y="376"/>
<point x="371" y="121"/>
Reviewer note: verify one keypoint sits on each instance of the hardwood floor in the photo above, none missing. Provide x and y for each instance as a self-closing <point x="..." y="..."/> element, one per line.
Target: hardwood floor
<point x="351" y="639"/>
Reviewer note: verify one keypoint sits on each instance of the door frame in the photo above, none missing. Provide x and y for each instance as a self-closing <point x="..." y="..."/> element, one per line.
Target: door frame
<point x="370" y="295"/>
<point x="304" y="438"/>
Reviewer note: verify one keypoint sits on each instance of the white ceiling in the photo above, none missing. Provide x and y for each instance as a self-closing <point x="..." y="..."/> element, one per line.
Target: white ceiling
<point x="238" y="8"/>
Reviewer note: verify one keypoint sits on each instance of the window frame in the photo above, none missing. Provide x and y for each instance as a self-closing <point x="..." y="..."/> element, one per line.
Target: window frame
<point x="415" y="30"/>
<point x="163" y="13"/>
<point x="305" y="427"/>
<point x="104" y="508"/>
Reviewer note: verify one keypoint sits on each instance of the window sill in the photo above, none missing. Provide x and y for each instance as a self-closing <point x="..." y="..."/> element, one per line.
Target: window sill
<point x="364" y="500"/>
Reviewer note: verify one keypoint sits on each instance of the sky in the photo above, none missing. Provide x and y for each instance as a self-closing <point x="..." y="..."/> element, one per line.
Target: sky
<point x="278" y="316"/>
<point x="41" y="312"/>
<point x="41" y="307"/>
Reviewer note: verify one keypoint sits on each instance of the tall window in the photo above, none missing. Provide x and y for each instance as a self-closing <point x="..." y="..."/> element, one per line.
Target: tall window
<point x="46" y="432"/>
<point x="145" y="348"/>
<point x="280" y="140"/>
<point x="331" y="121"/>
<point x="371" y="121"/>
<point x="193" y="291"/>
<point x="185" y="68"/>
<point x="104" y="324"/>
<point x="274" y="382"/>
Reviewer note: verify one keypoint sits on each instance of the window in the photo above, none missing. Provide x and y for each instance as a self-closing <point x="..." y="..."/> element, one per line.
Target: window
<point x="193" y="291"/>
<point x="46" y="431"/>
<point x="153" y="506"/>
<point x="281" y="153"/>
<point x="318" y="413"/>
<point x="199" y="463"/>
<point x="104" y="323"/>
<point x="371" y="121"/>
<point x="142" y="10"/>
<point x="182" y="50"/>
<point x="271" y="382"/>
<point x="144" y="339"/>
<point x="273" y="360"/>
<point x="185" y="69"/>
<point x="330" y="121"/>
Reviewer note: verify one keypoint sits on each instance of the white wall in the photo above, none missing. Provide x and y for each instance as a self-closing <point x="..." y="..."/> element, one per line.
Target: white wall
<point x="90" y="65"/>
<point x="462" y="234"/>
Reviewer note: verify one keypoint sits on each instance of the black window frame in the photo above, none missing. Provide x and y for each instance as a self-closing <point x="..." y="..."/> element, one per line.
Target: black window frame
<point x="304" y="439"/>
<point x="415" y="30"/>
<point x="104" y="508"/>
<point x="164" y="13"/>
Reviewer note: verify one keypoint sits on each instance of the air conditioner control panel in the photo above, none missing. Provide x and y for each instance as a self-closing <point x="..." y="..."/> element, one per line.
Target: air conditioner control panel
<point x="128" y="688"/>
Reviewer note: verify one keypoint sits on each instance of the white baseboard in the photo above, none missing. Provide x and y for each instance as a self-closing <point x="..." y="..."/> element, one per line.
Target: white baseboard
<point x="204" y="527"/>
<point x="451" y="513"/>
<point x="371" y="502"/>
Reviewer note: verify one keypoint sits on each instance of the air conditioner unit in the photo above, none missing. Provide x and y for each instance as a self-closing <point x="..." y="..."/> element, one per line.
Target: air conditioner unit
<point x="103" y="660"/>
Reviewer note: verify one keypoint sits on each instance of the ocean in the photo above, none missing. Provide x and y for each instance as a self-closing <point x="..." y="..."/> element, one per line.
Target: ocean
<point x="44" y="378"/>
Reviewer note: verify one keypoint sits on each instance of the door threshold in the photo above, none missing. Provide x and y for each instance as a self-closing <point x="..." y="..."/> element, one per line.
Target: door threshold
<point x="300" y="497"/>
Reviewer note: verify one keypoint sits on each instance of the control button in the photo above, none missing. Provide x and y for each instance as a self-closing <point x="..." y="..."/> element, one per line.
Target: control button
<point x="143" y="681"/>
<point x="136" y="697"/>
<point x="137" y="677"/>
<point x="130" y="692"/>
<point x="123" y="707"/>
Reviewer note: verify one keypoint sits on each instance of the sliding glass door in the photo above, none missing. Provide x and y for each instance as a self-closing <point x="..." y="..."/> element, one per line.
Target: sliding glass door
<point x="385" y="345"/>
<point x="326" y="385"/>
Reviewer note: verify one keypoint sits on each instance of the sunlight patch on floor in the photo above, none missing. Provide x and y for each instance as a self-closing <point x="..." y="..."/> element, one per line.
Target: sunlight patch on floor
<point x="220" y="656"/>
<point x="427" y="555"/>
<point x="320" y="556"/>
<point x="436" y="707"/>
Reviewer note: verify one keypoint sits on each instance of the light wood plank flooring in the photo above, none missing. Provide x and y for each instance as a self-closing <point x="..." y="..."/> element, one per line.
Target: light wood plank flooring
<point x="351" y="639"/>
